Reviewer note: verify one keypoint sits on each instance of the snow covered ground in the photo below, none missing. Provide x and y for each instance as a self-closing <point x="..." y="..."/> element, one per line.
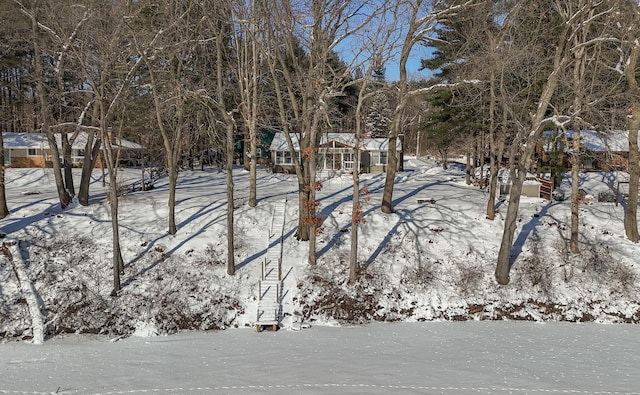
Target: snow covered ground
<point x="432" y="260"/>
<point x="398" y="358"/>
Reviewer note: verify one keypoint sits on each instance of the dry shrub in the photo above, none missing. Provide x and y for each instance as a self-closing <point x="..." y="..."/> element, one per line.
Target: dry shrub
<point x="614" y="274"/>
<point x="534" y="271"/>
<point x="325" y="293"/>
<point x="211" y="256"/>
<point x="419" y="277"/>
<point x="469" y="279"/>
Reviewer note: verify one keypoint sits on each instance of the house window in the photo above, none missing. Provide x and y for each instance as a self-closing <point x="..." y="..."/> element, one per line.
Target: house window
<point x="32" y="152"/>
<point x="7" y="157"/>
<point x="347" y="160"/>
<point x="77" y="156"/>
<point x="383" y="157"/>
<point x="283" y="158"/>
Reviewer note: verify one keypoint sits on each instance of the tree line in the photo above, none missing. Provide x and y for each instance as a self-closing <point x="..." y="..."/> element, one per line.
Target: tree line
<point x="182" y="74"/>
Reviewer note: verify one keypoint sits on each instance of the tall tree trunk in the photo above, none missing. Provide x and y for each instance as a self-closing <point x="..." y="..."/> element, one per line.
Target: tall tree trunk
<point x="110" y="160"/>
<point x="118" y="262"/>
<point x="510" y="222"/>
<point x="481" y="157"/>
<point x="253" y="111"/>
<point x="67" y="164"/>
<point x="41" y="94"/>
<point x="231" y="266"/>
<point x="356" y="208"/>
<point x="92" y="150"/>
<point x="575" y="191"/>
<point x="253" y="197"/>
<point x="525" y="151"/>
<point x="493" y="159"/>
<point x="468" y="169"/>
<point x="630" y="217"/>
<point x="4" y="210"/>
<point x="172" y="172"/>
<point x="310" y="156"/>
<point x="392" y="165"/>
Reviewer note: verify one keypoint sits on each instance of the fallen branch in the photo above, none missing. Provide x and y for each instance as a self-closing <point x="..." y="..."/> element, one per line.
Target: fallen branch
<point x="12" y="251"/>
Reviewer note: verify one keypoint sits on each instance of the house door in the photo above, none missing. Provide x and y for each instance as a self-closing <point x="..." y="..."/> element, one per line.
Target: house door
<point x="347" y="161"/>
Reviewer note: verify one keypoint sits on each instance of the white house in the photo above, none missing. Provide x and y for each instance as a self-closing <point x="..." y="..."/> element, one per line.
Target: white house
<point x="32" y="149"/>
<point x="336" y="153"/>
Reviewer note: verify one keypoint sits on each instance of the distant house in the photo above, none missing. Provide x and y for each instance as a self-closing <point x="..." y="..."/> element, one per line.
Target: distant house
<point x="32" y="149"/>
<point x="602" y="150"/>
<point x="336" y="153"/>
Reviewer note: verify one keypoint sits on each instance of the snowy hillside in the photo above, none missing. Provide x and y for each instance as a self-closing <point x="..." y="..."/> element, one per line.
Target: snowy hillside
<point x="433" y="259"/>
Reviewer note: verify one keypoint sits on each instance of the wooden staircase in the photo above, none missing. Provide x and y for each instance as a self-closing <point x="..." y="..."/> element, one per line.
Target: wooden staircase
<point x="270" y="285"/>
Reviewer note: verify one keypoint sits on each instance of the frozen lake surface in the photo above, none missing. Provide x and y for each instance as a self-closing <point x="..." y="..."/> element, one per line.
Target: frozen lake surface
<point x="403" y="358"/>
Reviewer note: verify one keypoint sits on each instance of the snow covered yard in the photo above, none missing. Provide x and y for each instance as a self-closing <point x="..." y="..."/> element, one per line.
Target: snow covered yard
<point x="433" y="259"/>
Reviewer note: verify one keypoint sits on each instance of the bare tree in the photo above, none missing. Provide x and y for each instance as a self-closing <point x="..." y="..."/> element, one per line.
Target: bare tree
<point x="55" y="28"/>
<point x="376" y="47"/>
<point x="230" y="127"/>
<point x="421" y="19"/>
<point x="168" y="47"/>
<point x="568" y="20"/>
<point x="307" y="81"/>
<point x="44" y="107"/>
<point x="249" y="70"/>
<point x="631" y="12"/>
<point x="108" y="69"/>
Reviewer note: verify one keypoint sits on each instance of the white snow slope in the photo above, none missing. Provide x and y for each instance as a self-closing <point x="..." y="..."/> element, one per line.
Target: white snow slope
<point x="432" y="260"/>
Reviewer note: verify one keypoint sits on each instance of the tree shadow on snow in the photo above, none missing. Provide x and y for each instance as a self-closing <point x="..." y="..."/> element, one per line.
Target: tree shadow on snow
<point x="527" y="230"/>
<point x="334" y="240"/>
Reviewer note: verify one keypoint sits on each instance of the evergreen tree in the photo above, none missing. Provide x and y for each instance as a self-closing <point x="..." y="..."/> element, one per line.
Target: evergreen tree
<point x="453" y="115"/>
<point x="379" y="117"/>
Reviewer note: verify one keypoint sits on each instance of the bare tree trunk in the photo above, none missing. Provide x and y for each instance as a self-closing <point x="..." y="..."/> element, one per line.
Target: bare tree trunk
<point x="310" y="160"/>
<point x="312" y="218"/>
<point x="468" y="169"/>
<point x="504" y="254"/>
<point x="231" y="266"/>
<point x="392" y="163"/>
<point x="92" y="150"/>
<point x="356" y="207"/>
<point x="481" y="154"/>
<point x="253" y="173"/>
<point x="493" y="166"/>
<point x="630" y="217"/>
<point x="525" y="152"/>
<point x="110" y="159"/>
<point x="68" y="165"/>
<point x="117" y="261"/>
<point x="4" y="210"/>
<point x="173" y="182"/>
<point x="41" y="94"/>
<point x="575" y="191"/>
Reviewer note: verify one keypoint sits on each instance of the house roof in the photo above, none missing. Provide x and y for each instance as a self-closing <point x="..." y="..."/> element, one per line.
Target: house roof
<point x="279" y="143"/>
<point x="24" y="140"/>
<point x="39" y="141"/>
<point x="610" y="141"/>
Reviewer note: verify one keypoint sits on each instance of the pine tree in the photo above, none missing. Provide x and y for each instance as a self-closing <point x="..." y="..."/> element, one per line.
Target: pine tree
<point x="379" y="117"/>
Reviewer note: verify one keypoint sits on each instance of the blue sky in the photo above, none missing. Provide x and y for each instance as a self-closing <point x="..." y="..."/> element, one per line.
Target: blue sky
<point x="413" y="65"/>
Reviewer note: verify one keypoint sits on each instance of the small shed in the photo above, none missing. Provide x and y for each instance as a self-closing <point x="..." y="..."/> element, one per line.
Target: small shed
<point x="530" y="187"/>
